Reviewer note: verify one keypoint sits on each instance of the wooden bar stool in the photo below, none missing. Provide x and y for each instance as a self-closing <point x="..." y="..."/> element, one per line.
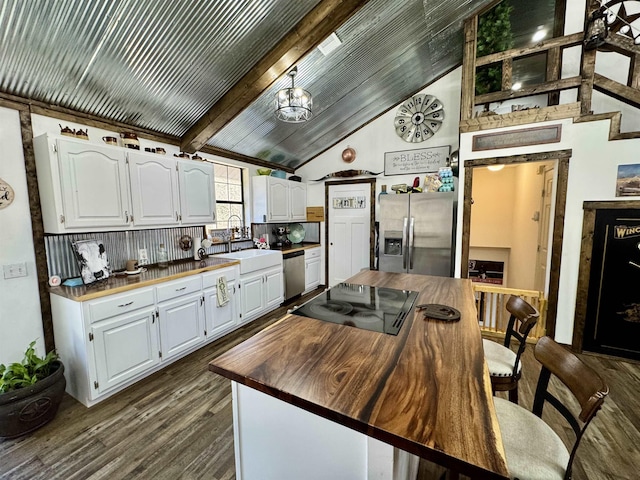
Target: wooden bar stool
<point x="532" y="448"/>
<point x="504" y="364"/>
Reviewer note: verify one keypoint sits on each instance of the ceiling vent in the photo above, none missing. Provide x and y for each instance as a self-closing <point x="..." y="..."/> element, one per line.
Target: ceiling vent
<point x="329" y="44"/>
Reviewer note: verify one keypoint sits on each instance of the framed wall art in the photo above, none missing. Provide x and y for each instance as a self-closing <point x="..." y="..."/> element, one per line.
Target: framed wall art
<point x="92" y="261"/>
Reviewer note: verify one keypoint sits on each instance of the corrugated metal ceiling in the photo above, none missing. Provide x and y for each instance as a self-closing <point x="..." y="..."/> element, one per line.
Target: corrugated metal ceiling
<point x="162" y="64"/>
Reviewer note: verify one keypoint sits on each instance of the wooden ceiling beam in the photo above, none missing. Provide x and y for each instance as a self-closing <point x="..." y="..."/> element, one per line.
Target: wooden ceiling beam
<point x="317" y="25"/>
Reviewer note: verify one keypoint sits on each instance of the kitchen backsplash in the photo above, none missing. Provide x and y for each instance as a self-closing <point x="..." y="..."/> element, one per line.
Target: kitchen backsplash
<point x="122" y="246"/>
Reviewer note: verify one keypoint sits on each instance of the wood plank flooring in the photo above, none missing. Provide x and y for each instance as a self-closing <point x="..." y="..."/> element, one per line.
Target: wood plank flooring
<point x="177" y="424"/>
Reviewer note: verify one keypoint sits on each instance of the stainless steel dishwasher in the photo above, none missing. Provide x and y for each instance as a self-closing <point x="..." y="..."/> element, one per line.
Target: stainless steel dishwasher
<point x="293" y="274"/>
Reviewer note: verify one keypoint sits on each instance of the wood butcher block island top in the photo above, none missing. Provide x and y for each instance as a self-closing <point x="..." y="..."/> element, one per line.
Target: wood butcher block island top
<point x="426" y="391"/>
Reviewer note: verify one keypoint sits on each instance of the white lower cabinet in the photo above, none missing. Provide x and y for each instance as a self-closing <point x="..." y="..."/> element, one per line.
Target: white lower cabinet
<point x="124" y="347"/>
<point x="220" y="319"/>
<point x="260" y="292"/>
<point x="108" y="343"/>
<point x="312" y="262"/>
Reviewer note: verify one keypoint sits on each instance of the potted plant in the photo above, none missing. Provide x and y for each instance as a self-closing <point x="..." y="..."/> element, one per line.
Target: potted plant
<point x="30" y="392"/>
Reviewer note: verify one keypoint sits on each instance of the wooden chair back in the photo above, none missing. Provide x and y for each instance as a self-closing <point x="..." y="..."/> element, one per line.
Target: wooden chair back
<point x="523" y="318"/>
<point x="585" y="384"/>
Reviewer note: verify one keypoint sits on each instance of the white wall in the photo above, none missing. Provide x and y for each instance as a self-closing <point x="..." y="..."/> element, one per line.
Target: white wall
<point x="592" y="176"/>
<point x="20" y="317"/>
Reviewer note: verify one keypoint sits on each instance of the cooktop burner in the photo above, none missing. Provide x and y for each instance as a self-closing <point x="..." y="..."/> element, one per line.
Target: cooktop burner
<point x="378" y="309"/>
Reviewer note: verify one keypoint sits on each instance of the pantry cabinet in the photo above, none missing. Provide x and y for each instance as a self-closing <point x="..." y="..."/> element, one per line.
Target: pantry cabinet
<point x="278" y="200"/>
<point x="83" y="187"/>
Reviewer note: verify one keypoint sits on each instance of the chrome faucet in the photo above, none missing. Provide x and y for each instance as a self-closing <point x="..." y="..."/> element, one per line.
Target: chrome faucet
<point x="229" y="229"/>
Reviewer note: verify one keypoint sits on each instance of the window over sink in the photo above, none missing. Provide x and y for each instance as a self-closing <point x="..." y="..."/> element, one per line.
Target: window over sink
<point x="229" y="197"/>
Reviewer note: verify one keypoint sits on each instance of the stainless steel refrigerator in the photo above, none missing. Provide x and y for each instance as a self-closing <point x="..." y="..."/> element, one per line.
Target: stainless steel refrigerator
<point x="417" y="233"/>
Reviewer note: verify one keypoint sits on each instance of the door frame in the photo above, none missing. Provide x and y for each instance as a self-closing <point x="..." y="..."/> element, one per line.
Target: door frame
<point x="372" y="218"/>
<point x="562" y="157"/>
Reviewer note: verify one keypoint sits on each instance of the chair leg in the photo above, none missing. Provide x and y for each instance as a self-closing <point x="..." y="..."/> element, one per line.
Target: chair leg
<point x="513" y="395"/>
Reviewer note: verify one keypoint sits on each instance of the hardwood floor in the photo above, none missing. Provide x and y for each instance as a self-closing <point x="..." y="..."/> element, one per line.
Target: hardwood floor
<point x="177" y="424"/>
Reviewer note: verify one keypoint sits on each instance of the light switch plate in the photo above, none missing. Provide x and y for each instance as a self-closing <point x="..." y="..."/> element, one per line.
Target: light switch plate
<point x="143" y="257"/>
<point x="15" y="270"/>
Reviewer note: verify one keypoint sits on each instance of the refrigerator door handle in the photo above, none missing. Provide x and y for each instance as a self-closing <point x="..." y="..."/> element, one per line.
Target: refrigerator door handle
<point x="404" y="244"/>
<point x="411" y="223"/>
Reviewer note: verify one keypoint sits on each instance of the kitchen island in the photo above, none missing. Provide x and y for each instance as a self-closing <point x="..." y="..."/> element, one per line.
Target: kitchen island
<point x="314" y="399"/>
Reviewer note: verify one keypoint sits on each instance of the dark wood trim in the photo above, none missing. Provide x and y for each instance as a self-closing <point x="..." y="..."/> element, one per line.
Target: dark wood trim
<point x="621" y="92"/>
<point x="562" y="157"/>
<point x="317" y="25"/>
<point x="372" y="234"/>
<point x="546" y="87"/>
<point x="586" y="253"/>
<point x="558" y="42"/>
<point x="519" y="141"/>
<point x="525" y="117"/>
<point x="468" y="88"/>
<point x="244" y="158"/>
<point x="37" y="228"/>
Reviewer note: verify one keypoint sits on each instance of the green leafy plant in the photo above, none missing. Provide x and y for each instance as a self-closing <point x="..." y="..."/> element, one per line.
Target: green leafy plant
<point x="494" y="35"/>
<point x="29" y="371"/>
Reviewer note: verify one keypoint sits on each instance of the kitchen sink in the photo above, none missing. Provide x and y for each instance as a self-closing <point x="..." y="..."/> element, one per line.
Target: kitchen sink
<point x="254" y="259"/>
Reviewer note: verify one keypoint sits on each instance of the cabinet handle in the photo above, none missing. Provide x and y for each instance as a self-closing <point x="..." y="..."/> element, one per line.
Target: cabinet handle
<point x="126" y="216"/>
<point x="177" y="216"/>
<point x="125" y="304"/>
<point x="180" y="289"/>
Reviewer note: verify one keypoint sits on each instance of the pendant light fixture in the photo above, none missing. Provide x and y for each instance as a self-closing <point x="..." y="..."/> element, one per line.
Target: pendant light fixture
<point x="293" y="105"/>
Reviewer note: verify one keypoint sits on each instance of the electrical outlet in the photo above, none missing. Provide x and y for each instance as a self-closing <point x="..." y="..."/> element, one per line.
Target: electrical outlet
<point x="15" y="270"/>
<point x="143" y="257"/>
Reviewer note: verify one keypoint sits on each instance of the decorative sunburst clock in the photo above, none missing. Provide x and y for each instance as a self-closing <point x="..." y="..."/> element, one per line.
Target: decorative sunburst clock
<point x="6" y="194"/>
<point x="419" y="118"/>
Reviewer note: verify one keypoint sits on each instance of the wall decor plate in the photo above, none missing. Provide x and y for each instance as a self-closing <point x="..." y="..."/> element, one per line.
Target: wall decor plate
<point x="6" y="194"/>
<point x="92" y="261"/>
<point x="296" y="233"/>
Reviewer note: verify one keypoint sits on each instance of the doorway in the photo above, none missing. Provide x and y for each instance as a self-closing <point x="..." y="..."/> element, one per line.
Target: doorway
<point x="557" y="205"/>
<point x="349" y="234"/>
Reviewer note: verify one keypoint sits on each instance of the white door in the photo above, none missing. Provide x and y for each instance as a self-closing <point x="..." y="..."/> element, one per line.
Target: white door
<point x="349" y="230"/>
<point x="154" y="190"/>
<point x="197" y="192"/>
<point x="181" y="324"/>
<point x="125" y="346"/>
<point x="95" y="190"/>
<point x="544" y="227"/>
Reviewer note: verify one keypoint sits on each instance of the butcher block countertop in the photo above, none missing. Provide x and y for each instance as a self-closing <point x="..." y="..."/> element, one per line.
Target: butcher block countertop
<point x="426" y="391"/>
<point x="151" y="276"/>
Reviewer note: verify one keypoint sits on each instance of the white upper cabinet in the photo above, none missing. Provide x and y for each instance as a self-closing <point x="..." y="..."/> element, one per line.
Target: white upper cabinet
<point x="197" y="192"/>
<point x="87" y="188"/>
<point x="278" y="200"/>
<point x="298" y="201"/>
<point x="154" y="189"/>
<point x="83" y="187"/>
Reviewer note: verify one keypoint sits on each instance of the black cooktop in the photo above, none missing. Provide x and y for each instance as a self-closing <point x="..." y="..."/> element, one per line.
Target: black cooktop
<point x="378" y="309"/>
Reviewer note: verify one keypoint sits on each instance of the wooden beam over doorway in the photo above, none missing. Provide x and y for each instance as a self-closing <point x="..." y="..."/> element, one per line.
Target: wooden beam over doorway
<point x="317" y="25"/>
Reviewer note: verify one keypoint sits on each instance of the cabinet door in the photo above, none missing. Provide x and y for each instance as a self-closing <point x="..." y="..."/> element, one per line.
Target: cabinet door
<point x="154" y="189"/>
<point x="181" y="324"/>
<point x="278" y="200"/>
<point x="298" y="199"/>
<point x="274" y="288"/>
<point x="251" y="297"/>
<point x="94" y="185"/>
<point x="197" y="192"/>
<point x="312" y="273"/>
<point x="220" y="319"/>
<point x="124" y="346"/>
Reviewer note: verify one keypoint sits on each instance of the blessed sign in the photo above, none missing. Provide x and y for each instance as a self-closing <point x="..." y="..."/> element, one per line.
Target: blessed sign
<point x="422" y="160"/>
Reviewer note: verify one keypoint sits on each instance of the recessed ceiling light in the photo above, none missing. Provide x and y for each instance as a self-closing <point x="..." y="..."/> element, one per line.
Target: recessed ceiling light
<point x="329" y="44"/>
<point x="516" y="86"/>
<point x="495" y="168"/>
<point x="539" y="35"/>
